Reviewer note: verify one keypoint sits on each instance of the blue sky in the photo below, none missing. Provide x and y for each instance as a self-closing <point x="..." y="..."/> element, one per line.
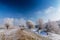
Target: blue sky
<point x="30" y="9"/>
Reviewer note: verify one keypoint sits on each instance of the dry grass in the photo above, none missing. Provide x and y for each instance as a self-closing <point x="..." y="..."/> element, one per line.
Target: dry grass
<point x="2" y="36"/>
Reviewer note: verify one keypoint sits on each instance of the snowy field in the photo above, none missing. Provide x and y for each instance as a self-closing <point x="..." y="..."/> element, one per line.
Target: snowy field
<point x="8" y="32"/>
<point x="52" y="36"/>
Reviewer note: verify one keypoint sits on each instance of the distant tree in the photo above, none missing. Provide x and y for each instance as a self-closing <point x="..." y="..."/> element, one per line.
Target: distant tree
<point x="40" y="24"/>
<point x="22" y="22"/>
<point x="48" y="26"/>
<point x="8" y="22"/>
<point x="7" y="26"/>
<point x="53" y="27"/>
<point x="30" y="24"/>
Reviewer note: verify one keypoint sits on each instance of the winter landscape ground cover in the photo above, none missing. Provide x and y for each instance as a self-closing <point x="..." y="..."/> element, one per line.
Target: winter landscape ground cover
<point x="41" y="31"/>
<point x="18" y="34"/>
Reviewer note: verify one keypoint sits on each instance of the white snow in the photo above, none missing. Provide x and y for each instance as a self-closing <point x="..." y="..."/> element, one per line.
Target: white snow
<point x="8" y="32"/>
<point x="53" y="36"/>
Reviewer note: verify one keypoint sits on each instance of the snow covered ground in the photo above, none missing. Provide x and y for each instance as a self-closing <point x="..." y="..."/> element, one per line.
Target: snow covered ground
<point x="52" y="36"/>
<point x="8" y="32"/>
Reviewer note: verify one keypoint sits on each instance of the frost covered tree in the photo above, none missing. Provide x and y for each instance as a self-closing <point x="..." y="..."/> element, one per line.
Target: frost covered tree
<point x="30" y="24"/>
<point x="7" y="26"/>
<point x="8" y="22"/>
<point x="22" y="22"/>
<point x="40" y="24"/>
<point x="53" y="27"/>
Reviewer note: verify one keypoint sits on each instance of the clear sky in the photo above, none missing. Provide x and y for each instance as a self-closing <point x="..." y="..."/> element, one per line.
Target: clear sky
<point x="30" y="9"/>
